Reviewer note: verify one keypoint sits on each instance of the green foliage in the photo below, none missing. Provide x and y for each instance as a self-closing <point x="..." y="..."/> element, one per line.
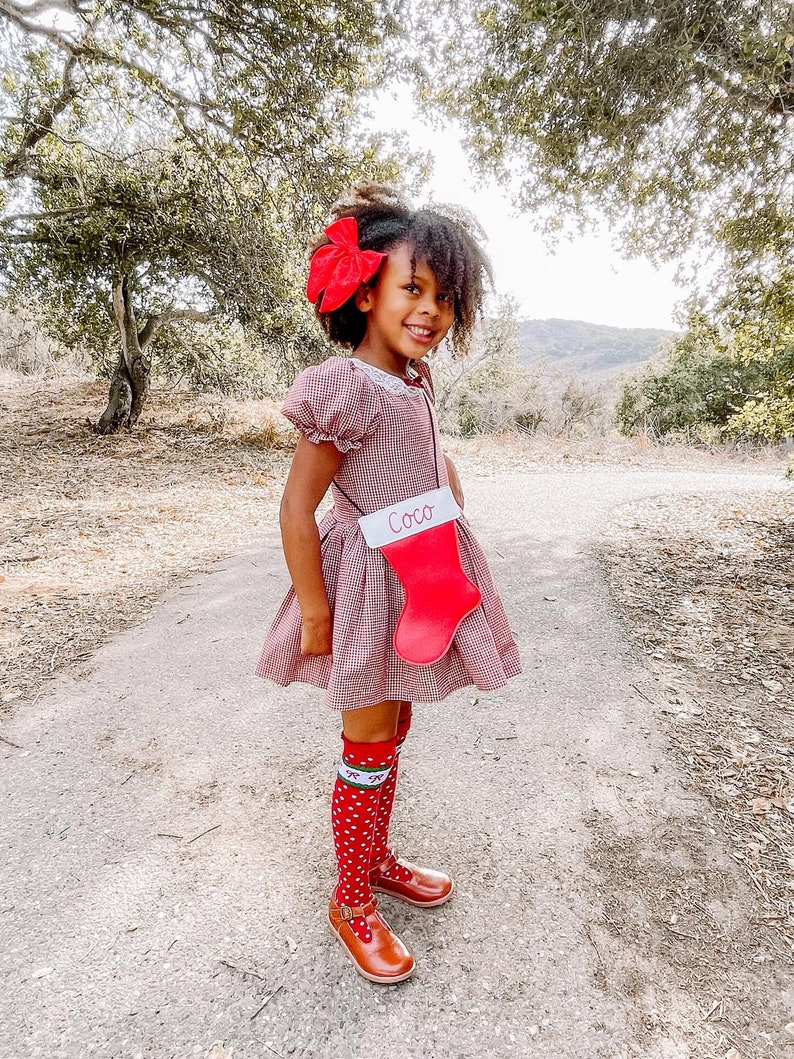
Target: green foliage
<point x="274" y="79"/>
<point x="193" y="234"/>
<point x="769" y="417"/>
<point x="674" y="119"/>
<point x="714" y="381"/>
<point x="182" y="155"/>
<point x="199" y="238"/>
<point x="223" y="357"/>
<point x="671" y="116"/>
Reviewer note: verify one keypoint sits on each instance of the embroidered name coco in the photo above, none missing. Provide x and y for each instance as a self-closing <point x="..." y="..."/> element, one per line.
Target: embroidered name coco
<point x="409" y="517"/>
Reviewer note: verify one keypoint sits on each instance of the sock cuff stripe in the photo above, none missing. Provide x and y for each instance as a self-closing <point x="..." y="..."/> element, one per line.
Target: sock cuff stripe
<point x="365" y="768"/>
<point x="363" y="778"/>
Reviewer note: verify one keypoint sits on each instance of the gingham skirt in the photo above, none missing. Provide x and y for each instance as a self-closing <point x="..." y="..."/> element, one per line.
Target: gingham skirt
<point x="366" y="598"/>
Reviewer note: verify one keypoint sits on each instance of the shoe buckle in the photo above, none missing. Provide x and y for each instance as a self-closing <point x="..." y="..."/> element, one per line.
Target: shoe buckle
<point x="346" y="913"/>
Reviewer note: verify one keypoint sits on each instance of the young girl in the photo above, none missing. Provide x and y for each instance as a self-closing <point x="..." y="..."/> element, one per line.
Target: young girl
<point x="379" y="624"/>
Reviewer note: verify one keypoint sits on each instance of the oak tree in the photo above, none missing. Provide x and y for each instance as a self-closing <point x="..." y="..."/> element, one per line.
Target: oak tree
<point x="672" y="116"/>
<point x="675" y="120"/>
<point x="163" y="162"/>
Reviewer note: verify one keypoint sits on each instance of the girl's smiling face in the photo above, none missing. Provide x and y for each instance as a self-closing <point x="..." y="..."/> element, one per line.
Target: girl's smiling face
<point x="407" y="314"/>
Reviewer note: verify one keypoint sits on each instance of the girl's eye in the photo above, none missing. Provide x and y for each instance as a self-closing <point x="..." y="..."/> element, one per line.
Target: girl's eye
<point x="445" y="298"/>
<point x="411" y="288"/>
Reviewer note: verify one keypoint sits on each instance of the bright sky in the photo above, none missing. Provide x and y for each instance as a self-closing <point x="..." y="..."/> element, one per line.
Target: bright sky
<point x="581" y="279"/>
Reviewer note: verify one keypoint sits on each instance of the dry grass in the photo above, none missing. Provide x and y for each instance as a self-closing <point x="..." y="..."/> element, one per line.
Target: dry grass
<point x="707" y="588"/>
<point x="93" y="530"/>
<point x="545" y="450"/>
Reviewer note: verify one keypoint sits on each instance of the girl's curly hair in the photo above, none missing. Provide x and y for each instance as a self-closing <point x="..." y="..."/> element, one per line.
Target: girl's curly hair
<point x="442" y="238"/>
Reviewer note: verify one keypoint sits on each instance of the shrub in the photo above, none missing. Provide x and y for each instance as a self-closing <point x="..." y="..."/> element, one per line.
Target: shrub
<point x="714" y="382"/>
<point x="490" y="392"/>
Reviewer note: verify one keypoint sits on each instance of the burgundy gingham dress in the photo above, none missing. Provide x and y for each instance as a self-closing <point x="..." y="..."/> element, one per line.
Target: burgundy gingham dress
<point x="389" y="438"/>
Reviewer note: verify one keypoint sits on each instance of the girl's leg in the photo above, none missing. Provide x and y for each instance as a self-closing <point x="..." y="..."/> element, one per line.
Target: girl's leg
<point x="399" y="878"/>
<point x="380" y="844"/>
<point x="371" y="724"/>
<point x="367" y="757"/>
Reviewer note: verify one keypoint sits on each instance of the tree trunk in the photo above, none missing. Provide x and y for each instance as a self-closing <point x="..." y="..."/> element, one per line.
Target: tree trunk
<point x="117" y="413"/>
<point x="129" y="386"/>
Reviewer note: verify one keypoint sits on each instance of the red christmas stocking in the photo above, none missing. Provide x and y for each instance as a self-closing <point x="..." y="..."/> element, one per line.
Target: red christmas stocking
<point x="354" y="807"/>
<point x="380" y="843"/>
<point x="419" y="539"/>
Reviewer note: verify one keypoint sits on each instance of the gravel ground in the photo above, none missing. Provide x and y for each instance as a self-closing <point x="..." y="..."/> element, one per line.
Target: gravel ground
<point x="167" y="860"/>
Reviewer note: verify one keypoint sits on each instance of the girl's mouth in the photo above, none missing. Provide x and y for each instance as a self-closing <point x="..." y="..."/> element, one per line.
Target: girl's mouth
<point x="421" y="334"/>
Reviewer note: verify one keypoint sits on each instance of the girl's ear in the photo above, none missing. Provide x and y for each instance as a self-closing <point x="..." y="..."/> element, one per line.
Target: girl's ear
<point x="364" y="298"/>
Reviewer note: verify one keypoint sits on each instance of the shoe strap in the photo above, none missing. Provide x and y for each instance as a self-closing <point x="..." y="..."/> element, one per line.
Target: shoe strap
<point x="346" y="912"/>
<point x="384" y="866"/>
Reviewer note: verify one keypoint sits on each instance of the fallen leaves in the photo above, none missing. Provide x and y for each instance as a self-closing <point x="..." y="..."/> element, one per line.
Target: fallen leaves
<point x="219" y="1050"/>
<point x="706" y="588"/>
<point x="93" y="530"/>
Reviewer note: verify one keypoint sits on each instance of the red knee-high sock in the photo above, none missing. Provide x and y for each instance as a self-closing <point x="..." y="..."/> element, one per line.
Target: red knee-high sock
<point x="380" y="842"/>
<point x="354" y="808"/>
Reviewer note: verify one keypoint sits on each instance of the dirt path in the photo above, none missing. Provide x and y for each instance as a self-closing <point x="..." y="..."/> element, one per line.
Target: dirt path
<point x="167" y="862"/>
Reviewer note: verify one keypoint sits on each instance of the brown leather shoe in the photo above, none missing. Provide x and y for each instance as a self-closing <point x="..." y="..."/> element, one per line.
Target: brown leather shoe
<point x="385" y="959"/>
<point x="424" y="888"/>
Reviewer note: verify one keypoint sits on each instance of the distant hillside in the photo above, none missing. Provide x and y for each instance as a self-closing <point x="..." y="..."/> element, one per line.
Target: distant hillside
<point x="599" y="352"/>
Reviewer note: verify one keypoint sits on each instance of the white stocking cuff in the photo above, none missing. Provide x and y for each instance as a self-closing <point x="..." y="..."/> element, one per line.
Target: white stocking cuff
<point x="366" y="779"/>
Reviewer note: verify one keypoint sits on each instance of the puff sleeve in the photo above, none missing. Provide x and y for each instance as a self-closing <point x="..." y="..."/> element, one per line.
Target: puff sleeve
<point x="333" y="401"/>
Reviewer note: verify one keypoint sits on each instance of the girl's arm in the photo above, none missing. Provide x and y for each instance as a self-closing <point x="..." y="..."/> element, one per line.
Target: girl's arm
<point x="454" y="481"/>
<point x="313" y="468"/>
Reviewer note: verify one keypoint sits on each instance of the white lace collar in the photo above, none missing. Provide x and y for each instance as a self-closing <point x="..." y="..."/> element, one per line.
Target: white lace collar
<point x="392" y="383"/>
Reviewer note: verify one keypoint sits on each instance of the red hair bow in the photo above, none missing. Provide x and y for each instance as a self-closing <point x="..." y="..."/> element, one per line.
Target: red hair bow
<point x="341" y="266"/>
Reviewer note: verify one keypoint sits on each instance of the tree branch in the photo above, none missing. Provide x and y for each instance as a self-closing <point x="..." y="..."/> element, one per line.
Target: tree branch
<point x="20" y="238"/>
<point x="42" y="124"/>
<point x="66" y="211"/>
<point x="467" y="367"/>
<point x="154" y="323"/>
<point x="155" y="82"/>
<point x="41" y="7"/>
<point x="720" y="80"/>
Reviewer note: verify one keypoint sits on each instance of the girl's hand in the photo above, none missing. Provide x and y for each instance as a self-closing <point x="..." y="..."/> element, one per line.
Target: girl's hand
<point x="454" y="482"/>
<point x="316" y="633"/>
